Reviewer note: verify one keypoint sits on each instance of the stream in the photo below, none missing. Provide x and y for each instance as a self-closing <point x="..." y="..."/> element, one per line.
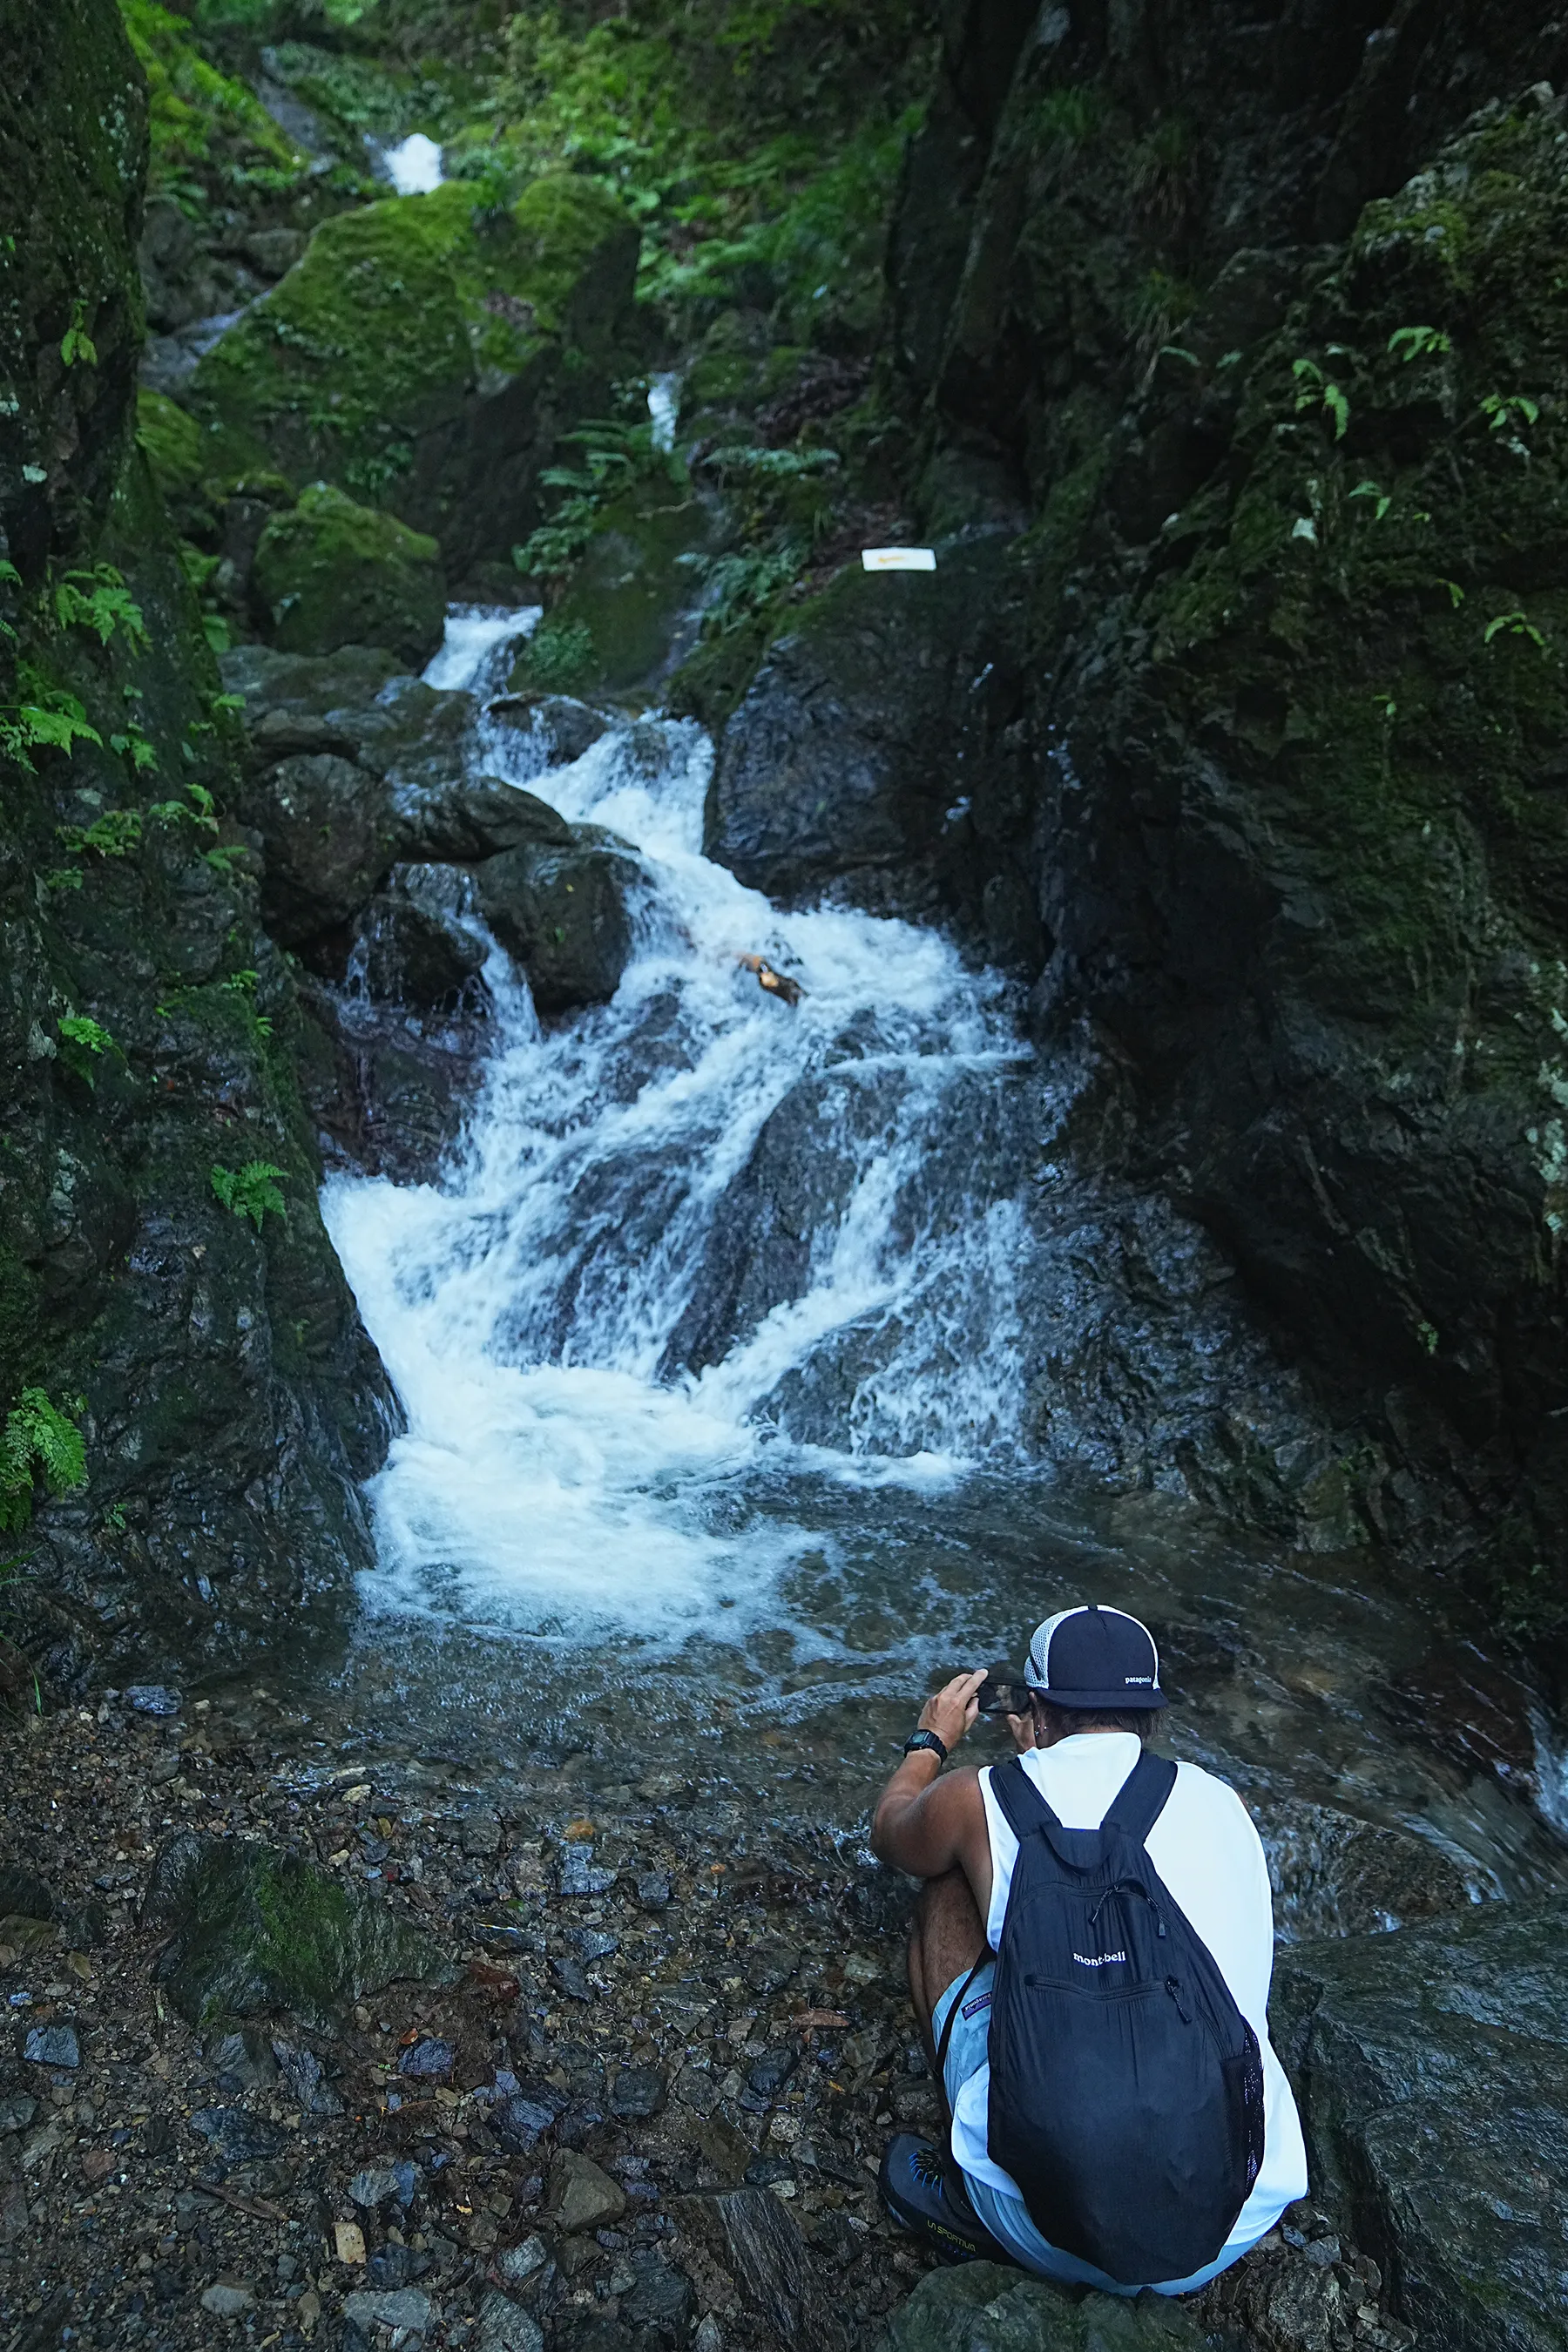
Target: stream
<point x="656" y="1506"/>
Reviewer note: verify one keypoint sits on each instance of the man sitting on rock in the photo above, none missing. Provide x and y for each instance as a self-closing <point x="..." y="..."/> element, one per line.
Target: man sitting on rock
<point x="1090" y="1967"/>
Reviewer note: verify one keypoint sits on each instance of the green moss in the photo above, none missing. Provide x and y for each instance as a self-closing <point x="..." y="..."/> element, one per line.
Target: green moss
<point x="360" y="367"/>
<point x="627" y="590"/>
<point x="206" y="127"/>
<point x="332" y="573"/>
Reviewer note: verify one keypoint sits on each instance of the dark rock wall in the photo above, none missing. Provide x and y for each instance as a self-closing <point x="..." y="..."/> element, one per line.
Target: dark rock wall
<point x="1250" y="328"/>
<point x="230" y="1398"/>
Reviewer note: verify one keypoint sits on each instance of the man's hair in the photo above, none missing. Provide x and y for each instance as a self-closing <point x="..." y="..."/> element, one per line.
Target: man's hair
<point x="1061" y="1722"/>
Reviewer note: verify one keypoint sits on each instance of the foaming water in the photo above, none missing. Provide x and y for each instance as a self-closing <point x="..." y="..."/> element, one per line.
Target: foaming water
<point x="414" y="165"/>
<point x="591" y="1394"/>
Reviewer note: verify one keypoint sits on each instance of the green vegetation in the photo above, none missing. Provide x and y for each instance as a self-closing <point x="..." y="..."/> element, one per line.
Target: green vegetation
<point x="251" y="1191"/>
<point x="82" y="1040"/>
<point x="40" y="1440"/>
<point x="210" y="136"/>
<point x="332" y="573"/>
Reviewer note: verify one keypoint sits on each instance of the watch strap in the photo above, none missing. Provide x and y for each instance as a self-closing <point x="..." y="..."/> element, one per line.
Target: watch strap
<point x="923" y="1738"/>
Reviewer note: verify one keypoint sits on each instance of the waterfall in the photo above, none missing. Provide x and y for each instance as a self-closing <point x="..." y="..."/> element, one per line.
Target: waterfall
<point x="592" y="1390"/>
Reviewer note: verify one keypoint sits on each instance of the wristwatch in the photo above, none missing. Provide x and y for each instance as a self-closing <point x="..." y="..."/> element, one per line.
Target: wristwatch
<point x="922" y="1738"/>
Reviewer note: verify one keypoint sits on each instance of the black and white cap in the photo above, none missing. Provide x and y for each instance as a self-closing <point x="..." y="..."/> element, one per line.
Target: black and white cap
<point x="1094" y="1657"/>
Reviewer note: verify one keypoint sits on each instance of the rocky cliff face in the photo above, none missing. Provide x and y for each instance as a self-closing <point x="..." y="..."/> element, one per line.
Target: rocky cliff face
<point x="166" y="1282"/>
<point x="1244" y="338"/>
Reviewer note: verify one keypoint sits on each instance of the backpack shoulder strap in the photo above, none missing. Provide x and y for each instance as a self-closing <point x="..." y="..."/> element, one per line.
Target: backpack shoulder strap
<point x="1140" y="1800"/>
<point x="1023" y="1808"/>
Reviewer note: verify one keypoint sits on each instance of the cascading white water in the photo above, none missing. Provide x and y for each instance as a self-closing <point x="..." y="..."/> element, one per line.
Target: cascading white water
<point x="559" y="1476"/>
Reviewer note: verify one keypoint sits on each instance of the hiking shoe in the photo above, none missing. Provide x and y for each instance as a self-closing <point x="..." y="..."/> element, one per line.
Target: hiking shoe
<point x="923" y="2190"/>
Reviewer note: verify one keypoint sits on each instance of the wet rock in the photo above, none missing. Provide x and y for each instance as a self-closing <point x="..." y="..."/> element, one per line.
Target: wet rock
<point x="754" y="2240"/>
<point x="660" y="2299"/>
<point x="53" y="2045"/>
<point x="238" y="2136"/>
<point x="329" y="840"/>
<point x="330" y="572"/>
<point x="430" y="2059"/>
<point x="463" y="819"/>
<point x="407" y="954"/>
<point x="987" y="2307"/>
<point x="1430" y="2067"/>
<point x="256" y="1930"/>
<point x="653" y="1890"/>
<point x="766" y="2081"/>
<point x="505" y="2327"/>
<point x="582" y="2197"/>
<point x="17" y="2113"/>
<point x="591" y="1944"/>
<point x="562" y="915"/>
<point x="517" y="2263"/>
<point x="1335" y="1875"/>
<point x="481" y="1833"/>
<point x="227" y="2301"/>
<point x="409" y="2307"/>
<point x="151" y="1699"/>
<point x="568" y="728"/>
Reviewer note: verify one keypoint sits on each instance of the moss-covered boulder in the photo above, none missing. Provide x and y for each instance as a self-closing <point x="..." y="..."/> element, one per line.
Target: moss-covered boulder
<point x="423" y="354"/>
<point x="330" y="572"/>
<point x="614" y="629"/>
<point x="254" y="1931"/>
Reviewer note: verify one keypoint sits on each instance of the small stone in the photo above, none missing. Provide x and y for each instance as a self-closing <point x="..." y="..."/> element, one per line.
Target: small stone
<point x="520" y="2263"/>
<point x="17" y="2113"/>
<point x="658" y="2296"/>
<point x="97" y="2164"/>
<point x="153" y="1698"/>
<point x="568" y="1974"/>
<point x="407" y="2307"/>
<point x="581" y="1875"/>
<point x="348" y="2242"/>
<point x="709" y="2337"/>
<point x="380" y="2184"/>
<point x="238" y="2137"/>
<point x="242" y="2061"/>
<point x="639" y="2092"/>
<point x="581" y="2195"/>
<point x="505" y="2327"/>
<point x="767" y="2078"/>
<point x="430" y="2058"/>
<point x="308" y="2310"/>
<point x="227" y="2301"/>
<point x="591" y="1944"/>
<point x="481" y="1833"/>
<point x="1324" y="2252"/>
<point x="653" y="1890"/>
<point x="520" y="2124"/>
<point x="53" y="2045"/>
<point x="302" y="2072"/>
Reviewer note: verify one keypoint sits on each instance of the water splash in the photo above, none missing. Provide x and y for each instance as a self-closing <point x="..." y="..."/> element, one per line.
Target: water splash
<point x="414" y="165"/>
<point x="588" y="1408"/>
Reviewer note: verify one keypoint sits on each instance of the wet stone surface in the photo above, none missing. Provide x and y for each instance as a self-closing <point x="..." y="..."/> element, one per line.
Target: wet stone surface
<point x="687" y="2158"/>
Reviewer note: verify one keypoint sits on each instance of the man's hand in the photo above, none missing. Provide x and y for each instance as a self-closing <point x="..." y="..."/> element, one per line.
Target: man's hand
<point x="950" y="1711"/>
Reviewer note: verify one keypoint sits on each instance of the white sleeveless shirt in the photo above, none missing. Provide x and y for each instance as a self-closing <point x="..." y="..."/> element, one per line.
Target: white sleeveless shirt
<point x="1205" y="1847"/>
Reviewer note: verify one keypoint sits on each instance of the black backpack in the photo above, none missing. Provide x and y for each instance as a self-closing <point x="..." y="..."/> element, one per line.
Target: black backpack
<point x="1126" y="2086"/>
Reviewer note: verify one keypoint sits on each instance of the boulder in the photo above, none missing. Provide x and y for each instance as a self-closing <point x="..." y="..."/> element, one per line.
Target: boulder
<point x="330" y="572"/>
<point x="566" y="727"/>
<point x="423" y="354"/>
<point x="1335" y="1875"/>
<point x="987" y="2307"/>
<point x="562" y="915"/>
<point x="744" y="2244"/>
<point x="253" y="1930"/>
<point x="329" y="841"/>
<point x="1431" y="2070"/>
<point x="404" y="953"/>
<point x="581" y="2195"/>
<point x="867" y="755"/>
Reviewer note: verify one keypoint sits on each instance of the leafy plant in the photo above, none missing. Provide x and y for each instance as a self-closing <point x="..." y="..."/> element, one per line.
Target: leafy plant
<point x="99" y="600"/>
<point x="1071" y="115"/>
<point x="82" y="1040"/>
<point x="1516" y="625"/>
<point x="1419" y="342"/>
<point x="1371" y="490"/>
<point x="251" y="1191"/>
<point x="55" y="720"/>
<point x="560" y="656"/>
<point x="77" y="346"/>
<point x="614" y="456"/>
<point x="1499" y="408"/>
<point x="115" y="833"/>
<point x="198" y="809"/>
<point x="133" y="745"/>
<point x="1314" y="390"/>
<point x="39" y="1438"/>
<point x="772" y="465"/>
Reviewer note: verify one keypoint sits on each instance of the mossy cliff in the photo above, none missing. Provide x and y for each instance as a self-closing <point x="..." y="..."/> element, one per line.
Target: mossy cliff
<point x="228" y="1399"/>
<point x="1260" y="361"/>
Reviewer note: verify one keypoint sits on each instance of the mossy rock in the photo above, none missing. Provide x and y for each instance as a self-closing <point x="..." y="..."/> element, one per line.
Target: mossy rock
<point x="333" y="573"/>
<point x="613" y="629"/>
<point x="422" y="355"/>
<point x="256" y="1931"/>
<point x="991" y="2307"/>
